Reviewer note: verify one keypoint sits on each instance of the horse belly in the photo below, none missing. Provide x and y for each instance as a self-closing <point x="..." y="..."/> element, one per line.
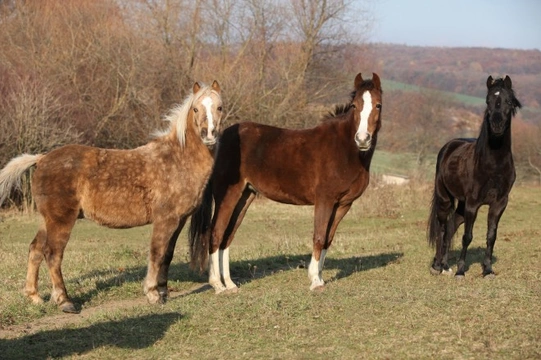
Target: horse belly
<point x="116" y="207"/>
<point x="284" y="193"/>
<point x="118" y="217"/>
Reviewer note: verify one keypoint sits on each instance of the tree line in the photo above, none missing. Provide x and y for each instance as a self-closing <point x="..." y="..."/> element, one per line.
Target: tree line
<point x="104" y="72"/>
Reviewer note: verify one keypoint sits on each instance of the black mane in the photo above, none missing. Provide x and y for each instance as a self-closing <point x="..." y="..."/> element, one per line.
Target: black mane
<point x="341" y="109"/>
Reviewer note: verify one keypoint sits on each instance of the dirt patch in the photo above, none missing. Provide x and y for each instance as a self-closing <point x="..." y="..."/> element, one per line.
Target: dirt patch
<point x="62" y="320"/>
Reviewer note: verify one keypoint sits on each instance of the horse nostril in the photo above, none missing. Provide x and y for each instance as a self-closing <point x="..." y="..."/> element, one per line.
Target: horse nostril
<point x="204" y="133"/>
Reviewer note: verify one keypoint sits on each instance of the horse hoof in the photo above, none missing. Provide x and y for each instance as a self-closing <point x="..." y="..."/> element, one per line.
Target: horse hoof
<point x="489" y="276"/>
<point x="232" y="290"/>
<point x="36" y="299"/>
<point x="69" y="308"/>
<point x="460" y="277"/>
<point x="447" y="272"/>
<point x="218" y="290"/>
<point x="163" y="297"/>
<point x="154" y="298"/>
<point x="434" y="271"/>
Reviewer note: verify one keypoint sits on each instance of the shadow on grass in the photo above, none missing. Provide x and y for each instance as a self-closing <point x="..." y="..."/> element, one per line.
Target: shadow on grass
<point x="473" y="256"/>
<point x="245" y="271"/>
<point x="242" y="272"/>
<point x="133" y="333"/>
<point x="109" y="279"/>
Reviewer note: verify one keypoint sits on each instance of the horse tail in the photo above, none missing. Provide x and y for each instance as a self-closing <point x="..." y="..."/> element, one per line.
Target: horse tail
<point x="199" y="233"/>
<point x="434" y="232"/>
<point x="10" y="175"/>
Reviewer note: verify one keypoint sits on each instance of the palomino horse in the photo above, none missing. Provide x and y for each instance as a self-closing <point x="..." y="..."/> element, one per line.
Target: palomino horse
<point x="326" y="166"/>
<point x="161" y="183"/>
<point x="474" y="172"/>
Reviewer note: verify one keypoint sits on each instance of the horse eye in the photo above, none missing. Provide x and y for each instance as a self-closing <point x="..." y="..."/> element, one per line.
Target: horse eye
<point x="378" y="106"/>
<point x="195" y="110"/>
<point x="353" y="106"/>
<point x="219" y="108"/>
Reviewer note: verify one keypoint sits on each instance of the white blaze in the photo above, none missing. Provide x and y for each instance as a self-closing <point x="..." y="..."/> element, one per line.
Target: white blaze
<point x="207" y="103"/>
<point x="365" y="113"/>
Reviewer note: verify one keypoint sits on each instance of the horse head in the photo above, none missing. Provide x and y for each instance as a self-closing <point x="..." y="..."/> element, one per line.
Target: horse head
<point x="501" y="105"/>
<point x="366" y="104"/>
<point x="207" y="112"/>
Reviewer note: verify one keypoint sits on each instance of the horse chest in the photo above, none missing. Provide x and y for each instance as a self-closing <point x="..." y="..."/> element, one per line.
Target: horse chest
<point x="494" y="188"/>
<point x="352" y="185"/>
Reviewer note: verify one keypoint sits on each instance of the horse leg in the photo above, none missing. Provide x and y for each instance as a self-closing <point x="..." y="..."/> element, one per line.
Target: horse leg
<point x="324" y="212"/>
<point x="470" y="214"/>
<point x="454" y="222"/>
<point x="162" y="232"/>
<point x="58" y="234"/>
<point x="226" y="201"/>
<point x="164" y="268"/>
<point x="495" y="212"/>
<point x="238" y="215"/>
<point x="337" y="216"/>
<point x="35" y="257"/>
<point x="444" y="234"/>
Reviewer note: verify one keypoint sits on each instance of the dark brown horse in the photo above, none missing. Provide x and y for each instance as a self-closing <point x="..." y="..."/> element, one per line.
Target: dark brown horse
<point x="474" y="172"/>
<point x="161" y="183"/>
<point x="326" y="166"/>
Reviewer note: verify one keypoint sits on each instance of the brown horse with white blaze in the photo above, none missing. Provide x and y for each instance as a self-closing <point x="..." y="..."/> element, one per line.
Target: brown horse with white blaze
<point x="160" y="183"/>
<point x="326" y="166"/>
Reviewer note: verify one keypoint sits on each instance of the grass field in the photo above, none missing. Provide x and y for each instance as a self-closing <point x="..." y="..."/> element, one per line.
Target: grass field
<point x="380" y="302"/>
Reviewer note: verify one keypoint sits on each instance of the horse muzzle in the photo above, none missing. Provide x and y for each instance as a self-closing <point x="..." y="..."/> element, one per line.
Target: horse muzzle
<point x="210" y="143"/>
<point x="209" y="139"/>
<point x="497" y="124"/>
<point x="363" y="141"/>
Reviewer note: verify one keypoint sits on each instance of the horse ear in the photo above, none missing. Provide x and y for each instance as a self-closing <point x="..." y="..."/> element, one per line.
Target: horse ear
<point x="216" y="86"/>
<point x="358" y="80"/>
<point x="376" y="81"/>
<point x="196" y="87"/>
<point x="507" y="82"/>
<point x="490" y="81"/>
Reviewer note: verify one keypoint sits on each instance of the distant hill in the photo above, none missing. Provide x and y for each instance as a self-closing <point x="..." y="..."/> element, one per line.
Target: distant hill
<point x="460" y="70"/>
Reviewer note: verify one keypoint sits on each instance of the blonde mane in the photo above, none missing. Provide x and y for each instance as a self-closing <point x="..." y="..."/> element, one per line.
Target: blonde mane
<point x="178" y="116"/>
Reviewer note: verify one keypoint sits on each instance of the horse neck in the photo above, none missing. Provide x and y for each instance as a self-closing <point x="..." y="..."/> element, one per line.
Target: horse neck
<point x="192" y="141"/>
<point x="366" y="156"/>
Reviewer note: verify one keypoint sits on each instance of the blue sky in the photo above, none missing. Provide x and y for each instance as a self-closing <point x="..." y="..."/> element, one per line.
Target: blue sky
<point x="512" y="24"/>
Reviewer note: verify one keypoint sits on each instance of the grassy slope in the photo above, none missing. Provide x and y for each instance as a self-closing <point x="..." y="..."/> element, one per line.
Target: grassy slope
<point x="390" y="85"/>
<point x="379" y="302"/>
